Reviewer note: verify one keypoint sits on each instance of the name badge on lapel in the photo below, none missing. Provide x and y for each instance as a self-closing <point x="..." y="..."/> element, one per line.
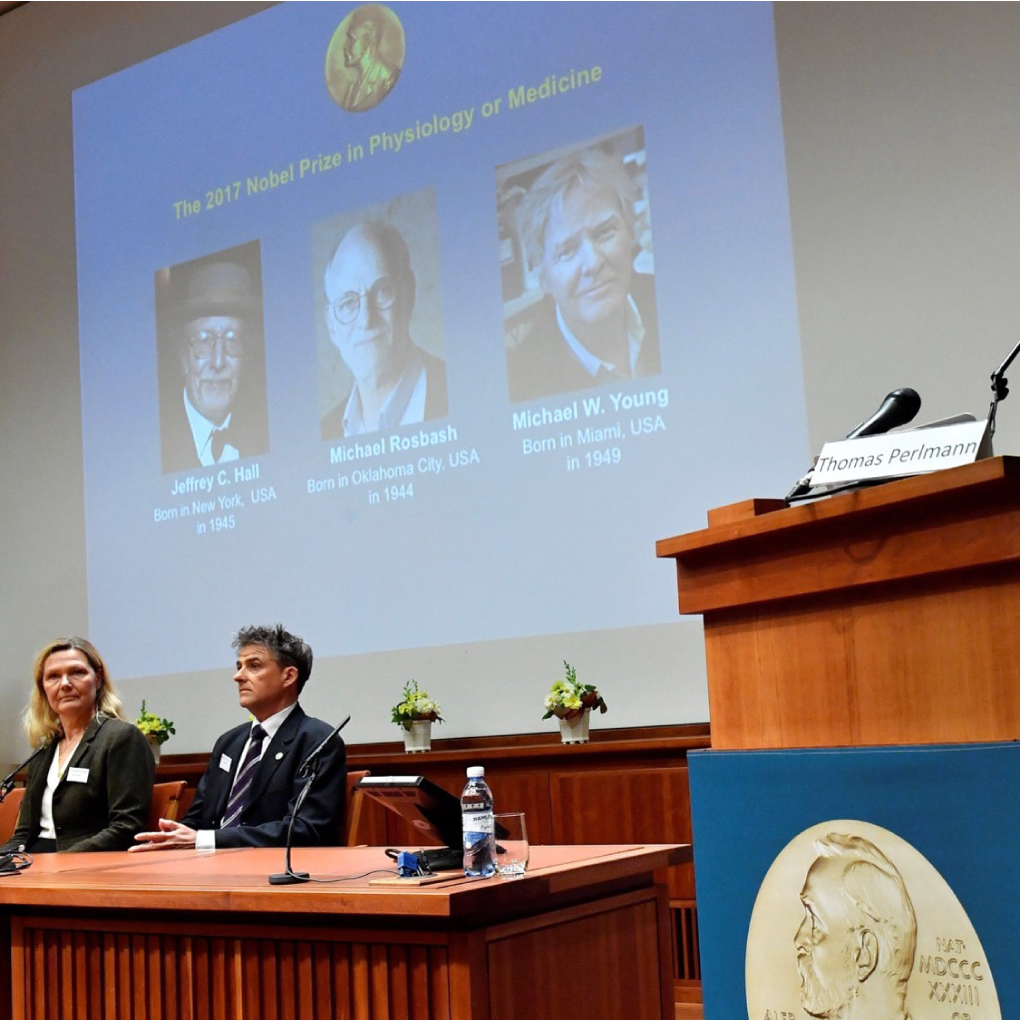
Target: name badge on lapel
<point x="225" y="762"/>
<point x="77" y="775"/>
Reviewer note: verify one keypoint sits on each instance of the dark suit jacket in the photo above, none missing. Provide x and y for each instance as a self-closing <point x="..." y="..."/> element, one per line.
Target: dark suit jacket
<point x="436" y="398"/>
<point x="276" y="785"/>
<point x="249" y="432"/>
<point x="103" y="813"/>
<point x="542" y="365"/>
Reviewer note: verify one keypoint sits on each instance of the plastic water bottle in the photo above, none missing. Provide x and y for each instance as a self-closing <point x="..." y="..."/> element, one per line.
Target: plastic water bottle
<point x="476" y="817"/>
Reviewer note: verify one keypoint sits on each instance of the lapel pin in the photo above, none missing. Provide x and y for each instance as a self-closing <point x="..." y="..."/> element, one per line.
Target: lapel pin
<point x="279" y="755"/>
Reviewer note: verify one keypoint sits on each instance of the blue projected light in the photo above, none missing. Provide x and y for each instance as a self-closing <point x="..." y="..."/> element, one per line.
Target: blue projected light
<point x="504" y="486"/>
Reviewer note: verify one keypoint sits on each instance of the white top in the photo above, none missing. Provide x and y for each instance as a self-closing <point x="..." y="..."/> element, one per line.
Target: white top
<point x="53" y="777"/>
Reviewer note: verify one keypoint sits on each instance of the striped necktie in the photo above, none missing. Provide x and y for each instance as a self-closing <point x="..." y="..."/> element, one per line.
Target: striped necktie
<point x="243" y="781"/>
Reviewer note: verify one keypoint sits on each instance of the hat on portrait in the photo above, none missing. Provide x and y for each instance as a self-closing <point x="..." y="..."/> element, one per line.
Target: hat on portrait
<point x="220" y="288"/>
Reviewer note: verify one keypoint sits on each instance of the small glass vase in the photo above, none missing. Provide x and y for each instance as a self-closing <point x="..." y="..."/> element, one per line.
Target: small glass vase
<point x="575" y="729"/>
<point x="154" y="747"/>
<point x="419" y="737"/>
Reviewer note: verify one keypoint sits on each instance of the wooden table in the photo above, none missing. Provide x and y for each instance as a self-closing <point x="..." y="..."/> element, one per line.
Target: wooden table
<point x="562" y="789"/>
<point x="183" y="934"/>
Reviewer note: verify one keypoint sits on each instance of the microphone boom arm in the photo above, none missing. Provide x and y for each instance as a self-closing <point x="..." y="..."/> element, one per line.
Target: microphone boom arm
<point x="7" y="784"/>
<point x="1000" y="387"/>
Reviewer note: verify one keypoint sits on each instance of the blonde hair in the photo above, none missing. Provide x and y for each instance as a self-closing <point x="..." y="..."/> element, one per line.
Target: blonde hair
<point x="42" y="724"/>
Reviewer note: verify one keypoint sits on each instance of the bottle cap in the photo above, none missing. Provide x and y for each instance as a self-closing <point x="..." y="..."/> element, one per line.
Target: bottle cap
<point x="475" y="771"/>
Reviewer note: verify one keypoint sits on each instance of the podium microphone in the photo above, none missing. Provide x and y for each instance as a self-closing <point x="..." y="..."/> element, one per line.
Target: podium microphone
<point x="309" y="768"/>
<point x="898" y="408"/>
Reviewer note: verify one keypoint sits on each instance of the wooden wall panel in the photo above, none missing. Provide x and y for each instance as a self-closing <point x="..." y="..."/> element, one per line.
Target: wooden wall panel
<point x="639" y="805"/>
<point x="528" y="792"/>
<point x="521" y="778"/>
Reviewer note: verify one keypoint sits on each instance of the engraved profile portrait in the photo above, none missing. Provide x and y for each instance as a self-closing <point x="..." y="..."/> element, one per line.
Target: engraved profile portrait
<point x="365" y="57"/>
<point x="853" y="923"/>
<point x="857" y="940"/>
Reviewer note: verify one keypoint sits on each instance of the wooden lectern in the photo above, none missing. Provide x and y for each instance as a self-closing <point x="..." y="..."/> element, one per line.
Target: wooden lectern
<point x="889" y="615"/>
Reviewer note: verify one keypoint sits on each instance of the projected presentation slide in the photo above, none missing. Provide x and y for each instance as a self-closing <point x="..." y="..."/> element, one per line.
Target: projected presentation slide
<point x="418" y="324"/>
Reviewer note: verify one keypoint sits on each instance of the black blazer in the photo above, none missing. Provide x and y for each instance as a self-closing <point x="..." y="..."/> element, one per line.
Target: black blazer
<point x="275" y="788"/>
<point x="103" y="813"/>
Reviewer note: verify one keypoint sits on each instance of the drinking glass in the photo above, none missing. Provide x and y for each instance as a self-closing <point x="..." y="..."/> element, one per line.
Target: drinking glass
<point x="511" y="845"/>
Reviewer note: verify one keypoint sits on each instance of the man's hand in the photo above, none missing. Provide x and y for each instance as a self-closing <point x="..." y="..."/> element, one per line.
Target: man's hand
<point x="171" y="836"/>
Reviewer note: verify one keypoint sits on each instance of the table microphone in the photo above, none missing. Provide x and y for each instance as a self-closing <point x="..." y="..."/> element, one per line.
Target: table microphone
<point x="309" y="768"/>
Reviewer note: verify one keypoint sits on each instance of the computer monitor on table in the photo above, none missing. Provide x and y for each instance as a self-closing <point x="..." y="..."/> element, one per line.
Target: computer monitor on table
<point x="432" y="812"/>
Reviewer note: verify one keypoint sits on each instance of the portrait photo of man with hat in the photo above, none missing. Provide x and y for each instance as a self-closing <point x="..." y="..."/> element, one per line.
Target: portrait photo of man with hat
<point x="212" y="360"/>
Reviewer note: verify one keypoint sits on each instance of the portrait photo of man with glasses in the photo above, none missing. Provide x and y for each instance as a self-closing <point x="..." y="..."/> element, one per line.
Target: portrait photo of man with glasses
<point x="212" y="365"/>
<point x="370" y="291"/>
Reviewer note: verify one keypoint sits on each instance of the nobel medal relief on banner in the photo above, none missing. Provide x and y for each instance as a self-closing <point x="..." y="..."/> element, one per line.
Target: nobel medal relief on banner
<point x="851" y="921"/>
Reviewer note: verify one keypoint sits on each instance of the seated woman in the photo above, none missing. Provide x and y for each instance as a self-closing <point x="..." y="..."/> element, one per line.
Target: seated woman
<point x="91" y="787"/>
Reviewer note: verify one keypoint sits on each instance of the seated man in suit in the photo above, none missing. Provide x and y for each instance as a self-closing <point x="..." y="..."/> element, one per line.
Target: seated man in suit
<point x="597" y="322"/>
<point x="247" y="794"/>
<point x="370" y="291"/>
<point x="212" y="419"/>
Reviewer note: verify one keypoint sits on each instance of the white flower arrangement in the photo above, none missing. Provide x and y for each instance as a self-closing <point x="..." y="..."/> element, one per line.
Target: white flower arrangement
<point x="153" y="726"/>
<point x="568" y="698"/>
<point x="417" y="705"/>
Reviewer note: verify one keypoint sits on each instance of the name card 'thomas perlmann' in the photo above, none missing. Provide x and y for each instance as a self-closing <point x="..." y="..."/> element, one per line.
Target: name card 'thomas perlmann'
<point x="916" y="452"/>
